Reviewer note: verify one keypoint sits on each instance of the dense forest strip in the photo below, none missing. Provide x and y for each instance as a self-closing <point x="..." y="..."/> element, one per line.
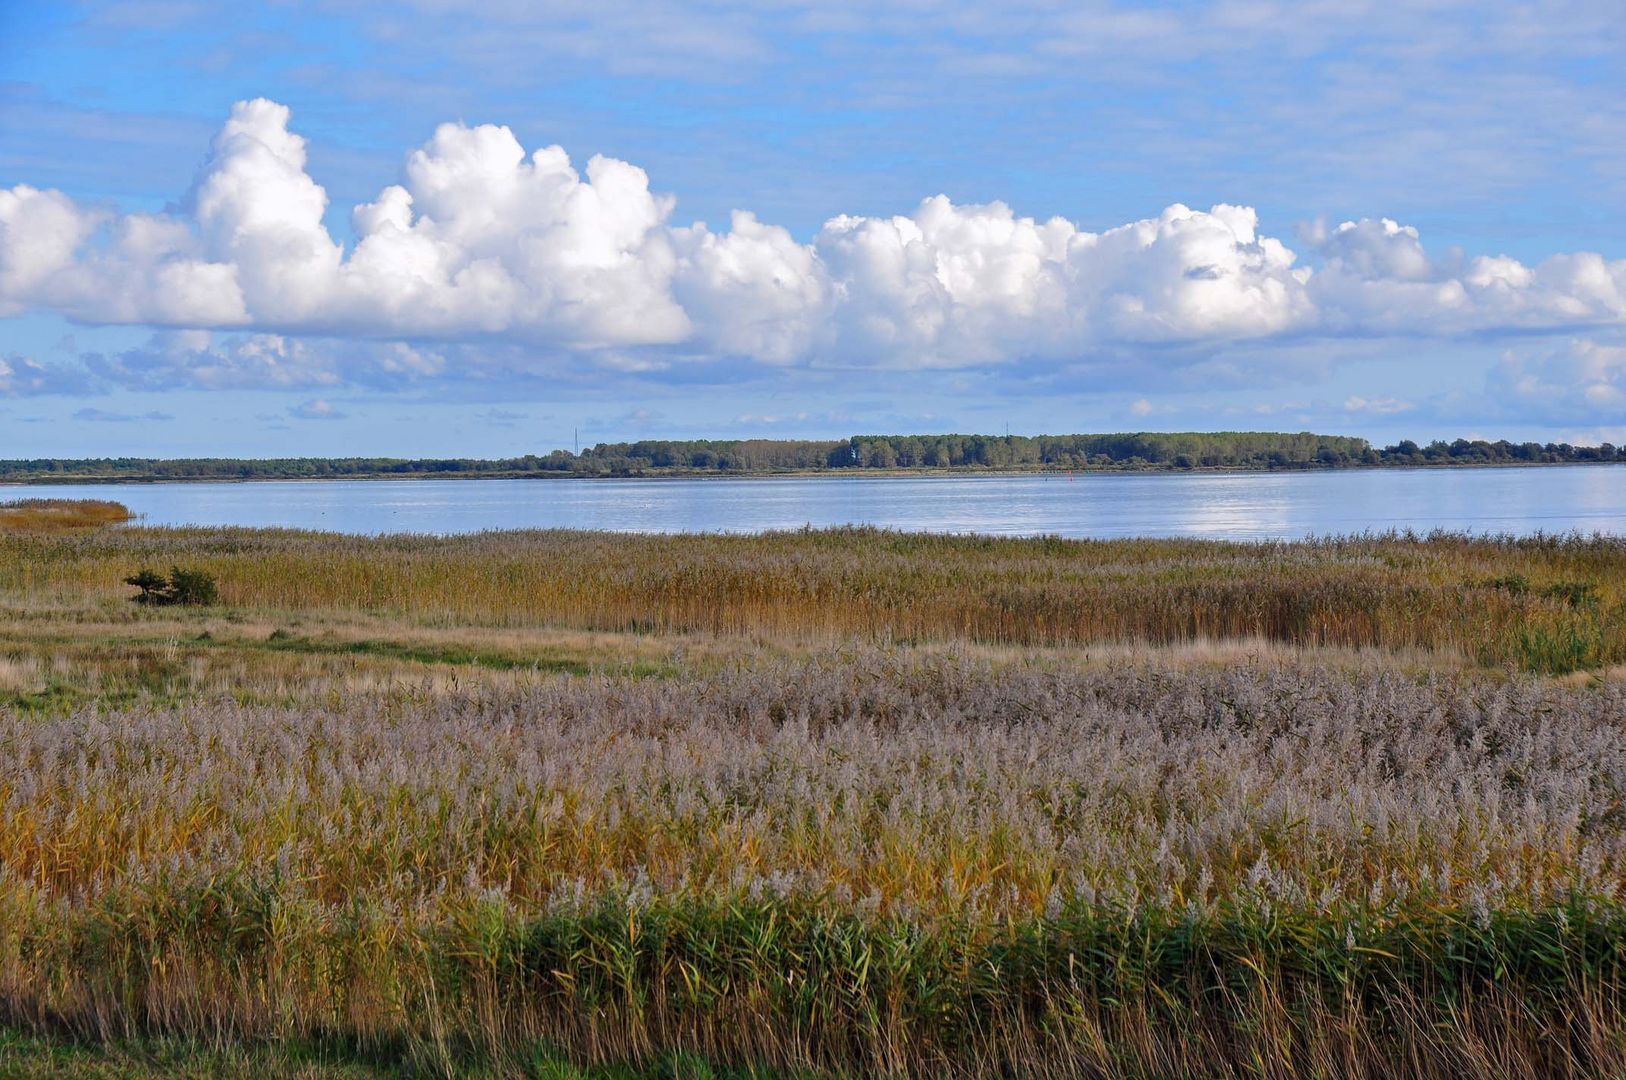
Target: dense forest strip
<point x="1129" y="451"/>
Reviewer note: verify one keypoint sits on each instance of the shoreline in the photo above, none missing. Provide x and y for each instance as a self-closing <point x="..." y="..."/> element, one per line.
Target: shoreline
<point x="791" y="474"/>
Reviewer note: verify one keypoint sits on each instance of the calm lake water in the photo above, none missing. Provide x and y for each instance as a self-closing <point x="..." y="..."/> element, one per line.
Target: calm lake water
<point x="1238" y="506"/>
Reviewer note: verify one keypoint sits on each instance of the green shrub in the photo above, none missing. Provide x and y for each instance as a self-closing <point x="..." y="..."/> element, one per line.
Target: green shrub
<point x="153" y="585"/>
<point x="1577" y="594"/>
<point x="192" y="588"/>
<point x="1560" y="650"/>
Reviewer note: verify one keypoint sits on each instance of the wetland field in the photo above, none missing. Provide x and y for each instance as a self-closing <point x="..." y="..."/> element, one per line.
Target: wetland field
<point x="824" y="803"/>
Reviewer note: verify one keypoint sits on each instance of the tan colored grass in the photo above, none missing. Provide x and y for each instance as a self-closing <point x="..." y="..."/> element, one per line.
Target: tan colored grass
<point x="19" y="672"/>
<point x="60" y="515"/>
<point x="1438" y="594"/>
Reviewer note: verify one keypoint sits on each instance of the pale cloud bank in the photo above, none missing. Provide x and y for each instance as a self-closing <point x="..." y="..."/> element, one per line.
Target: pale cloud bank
<point x="484" y="244"/>
<point x="1584" y="380"/>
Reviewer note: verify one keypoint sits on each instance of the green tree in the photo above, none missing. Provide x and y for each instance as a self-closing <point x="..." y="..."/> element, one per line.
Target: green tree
<point x="153" y="585"/>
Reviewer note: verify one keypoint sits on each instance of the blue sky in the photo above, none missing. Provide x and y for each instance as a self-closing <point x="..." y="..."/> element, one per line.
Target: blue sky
<point x="181" y="270"/>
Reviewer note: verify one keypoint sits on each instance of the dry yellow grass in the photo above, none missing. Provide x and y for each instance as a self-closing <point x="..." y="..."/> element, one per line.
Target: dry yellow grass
<point x="1549" y="604"/>
<point x="60" y="515"/>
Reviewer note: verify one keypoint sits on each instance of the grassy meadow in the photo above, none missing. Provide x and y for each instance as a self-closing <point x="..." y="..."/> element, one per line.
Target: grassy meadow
<point x="844" y="803"/>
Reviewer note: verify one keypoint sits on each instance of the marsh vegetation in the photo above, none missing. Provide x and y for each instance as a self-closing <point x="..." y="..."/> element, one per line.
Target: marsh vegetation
<point x="1544" y="603"/>
<point x="60" y="515"/>
<point x="847" y="803"/>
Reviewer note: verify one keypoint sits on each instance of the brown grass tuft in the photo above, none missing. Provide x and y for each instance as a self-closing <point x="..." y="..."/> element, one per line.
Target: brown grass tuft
<point x="60" y="515"/>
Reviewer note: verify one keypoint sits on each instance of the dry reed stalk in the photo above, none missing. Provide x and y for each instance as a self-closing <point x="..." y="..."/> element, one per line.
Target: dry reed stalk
<point x="888" y="862"/>
<point x="1543" y="603"/>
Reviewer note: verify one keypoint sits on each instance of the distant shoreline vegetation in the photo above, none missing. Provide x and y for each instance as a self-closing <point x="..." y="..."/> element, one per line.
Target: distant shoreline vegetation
<point x="1140" y="451"/>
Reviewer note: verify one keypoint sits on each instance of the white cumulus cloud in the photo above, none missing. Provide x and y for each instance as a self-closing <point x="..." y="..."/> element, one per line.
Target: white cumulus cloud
<point x="1377" y="278"/>
<point x="484" y="243"/>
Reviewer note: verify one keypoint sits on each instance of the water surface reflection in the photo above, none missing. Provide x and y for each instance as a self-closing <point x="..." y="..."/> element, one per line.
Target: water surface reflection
<point x="1237" y="506"/>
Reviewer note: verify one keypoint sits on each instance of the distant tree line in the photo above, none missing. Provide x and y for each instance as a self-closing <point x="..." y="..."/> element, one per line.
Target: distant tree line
<point x="1139" y="450"/>
<point x="1478" y="451"/>
<point x="1180" y="450"/>
<point x="1196" y="450"/>
<point x="275" y="468"/>
<point x="713" y="455"/>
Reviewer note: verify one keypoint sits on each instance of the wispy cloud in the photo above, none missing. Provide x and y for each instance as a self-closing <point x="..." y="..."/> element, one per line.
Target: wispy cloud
<point x="103" y="416"/>
<point x="1380" y="406"/>
<point x="315" y="409"/>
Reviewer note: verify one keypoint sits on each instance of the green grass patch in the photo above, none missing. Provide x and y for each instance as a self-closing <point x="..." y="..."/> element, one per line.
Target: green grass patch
<point x="455" y="655"/>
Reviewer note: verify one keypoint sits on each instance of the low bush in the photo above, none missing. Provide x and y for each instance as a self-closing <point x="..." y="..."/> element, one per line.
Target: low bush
<point x="191" y="588"/>
<point x="1577" y="594"/>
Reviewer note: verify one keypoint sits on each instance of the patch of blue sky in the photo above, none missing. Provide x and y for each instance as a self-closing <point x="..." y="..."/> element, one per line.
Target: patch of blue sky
<point x="1496" y="128"/>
